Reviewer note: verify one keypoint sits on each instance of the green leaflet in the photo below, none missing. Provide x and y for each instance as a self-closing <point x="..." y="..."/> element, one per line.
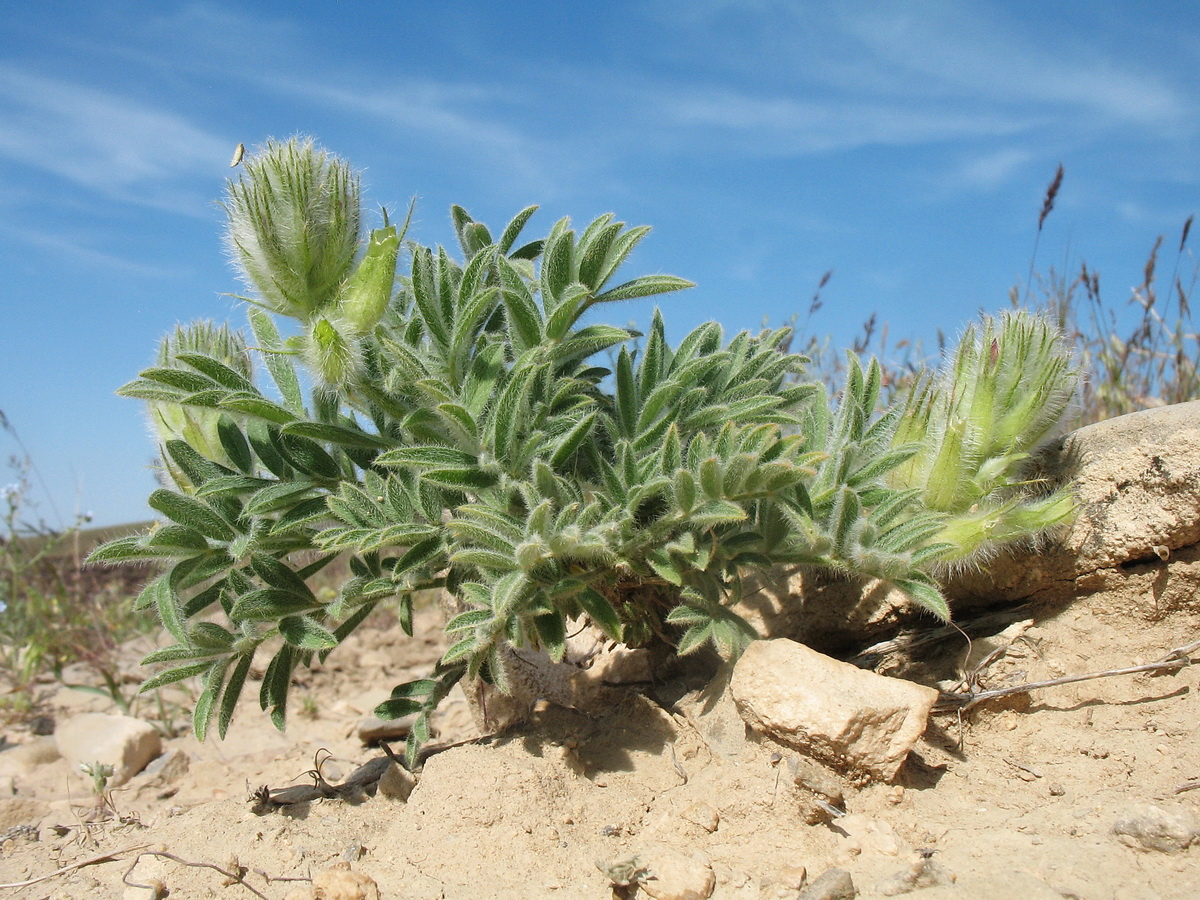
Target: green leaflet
<point x="191" y="514"/>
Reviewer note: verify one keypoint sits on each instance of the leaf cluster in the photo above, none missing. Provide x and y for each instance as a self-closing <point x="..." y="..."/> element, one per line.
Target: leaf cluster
<point x="477" y="445"/>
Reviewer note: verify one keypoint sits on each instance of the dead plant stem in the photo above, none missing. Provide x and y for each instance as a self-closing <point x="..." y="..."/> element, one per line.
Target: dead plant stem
<point x="956" y="701"/>
<point x="90" y="861"/>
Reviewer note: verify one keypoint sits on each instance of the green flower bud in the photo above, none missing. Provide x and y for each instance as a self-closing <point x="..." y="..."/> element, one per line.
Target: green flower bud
<point x="365" y="296"/>
<point x="194" y="425"/>
<point x="331" y="353"/>
<point x="294" y="226"/>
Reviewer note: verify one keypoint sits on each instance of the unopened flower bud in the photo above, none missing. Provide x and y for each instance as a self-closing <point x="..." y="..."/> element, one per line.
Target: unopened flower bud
<point x="294" y="226"/>
<point x="331" y="353"/>
<point x="365" y="296"/>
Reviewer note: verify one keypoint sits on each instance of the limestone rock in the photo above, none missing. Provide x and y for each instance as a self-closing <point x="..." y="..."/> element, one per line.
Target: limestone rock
<point x="372" y="729"/>
<point x="677" y="876"/>
<point x="870" y="835"/>
<point x="339" y="882"/>
<point x="834" y="884"/>
<point x="165" y="771"/>
<point x="700" y="813"/>
<point x="1137" y="478"/>
<point x="125" y="743"/>
<point x="1150" y="827"/>
<point x="924" y="873"/>
<point x="831" y="710"/>
<point x="397" y="783"/>
<point x="23" y="759"/>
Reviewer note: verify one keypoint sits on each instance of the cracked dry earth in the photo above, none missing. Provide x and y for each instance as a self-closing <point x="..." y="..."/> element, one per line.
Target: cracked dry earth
<point x="1019" y="799"/>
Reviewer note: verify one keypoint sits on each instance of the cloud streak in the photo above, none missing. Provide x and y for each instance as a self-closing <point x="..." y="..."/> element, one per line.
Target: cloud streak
<point x="116" y="147"/>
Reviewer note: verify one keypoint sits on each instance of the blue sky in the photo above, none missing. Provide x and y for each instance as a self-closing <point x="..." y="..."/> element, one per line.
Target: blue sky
<point x="904" y="145"/>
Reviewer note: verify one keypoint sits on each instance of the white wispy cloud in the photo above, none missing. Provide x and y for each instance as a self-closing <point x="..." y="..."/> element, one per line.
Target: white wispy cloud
<point x="990" y="170"/>
<point x="107" y="143"/>
<point x="782" y="125"/>
<point x="788" y="78"/>
<point x="430" y="112"/>
<point x="971" y="56"/>
<point x="78" y="247"/>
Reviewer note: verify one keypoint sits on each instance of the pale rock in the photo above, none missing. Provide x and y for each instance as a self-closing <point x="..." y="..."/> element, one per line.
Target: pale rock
<point x="24" y="759"/>
<point x="834" y="884"/>
<point x="397" y="783"/>
<point x="819" y="791"/>
<point x="125" y="743"/>
<point x="372" y="729"/>
<point x="830" y="710"/>
<point x="871" y="835"/>
<point x="340" y="882"/>
<point x="700" y="813"/>
<point x="791" y="878"/>
<point x="715" y="716"/>
<point x="923" y="873"/>
<point x="150" y="889"/>
<point x="1137" y="478"/>
<point x="165" y="770"/>
<point x="1150" y="827"/>
<point x="676" y="875"/>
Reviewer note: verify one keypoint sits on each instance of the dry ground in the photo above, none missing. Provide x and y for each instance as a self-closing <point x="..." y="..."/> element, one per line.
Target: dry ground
<point x="1025" y="807"/>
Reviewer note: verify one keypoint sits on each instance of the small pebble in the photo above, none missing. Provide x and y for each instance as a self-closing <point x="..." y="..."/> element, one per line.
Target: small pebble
<point x="926" y="872"/>
<point x="703" y="815"/>
<point x="792" y="877"/>
<point x="1056" y="789"/>
<point x="834" y="884"/>
<point x="1149" y="827"/>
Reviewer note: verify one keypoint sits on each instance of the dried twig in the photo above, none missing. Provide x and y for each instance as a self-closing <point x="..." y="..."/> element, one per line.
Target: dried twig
<point x="907" y="642"/>
<point x="235" y="877"/>
<point x="959" y="701"/>
<point x="91" y="861"/>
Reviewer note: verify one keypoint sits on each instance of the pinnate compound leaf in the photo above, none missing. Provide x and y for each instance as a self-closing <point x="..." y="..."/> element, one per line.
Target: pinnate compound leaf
<point x="197" y="468"/>
<point x="277" y="682"/>
<point x="277" y="496"/>
<point x="427" y="457"/>
<point x="176" y="653"/>
<point x="159" y="592"/>
<point x="468" y="620"/>
<point x="926" y="594"/>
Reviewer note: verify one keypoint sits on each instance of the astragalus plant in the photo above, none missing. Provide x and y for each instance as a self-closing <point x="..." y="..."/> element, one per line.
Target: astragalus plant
<point x="461" y="432"/>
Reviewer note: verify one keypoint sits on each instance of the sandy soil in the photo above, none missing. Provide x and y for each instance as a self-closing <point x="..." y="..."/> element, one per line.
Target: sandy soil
<point x="1024" y="808"/>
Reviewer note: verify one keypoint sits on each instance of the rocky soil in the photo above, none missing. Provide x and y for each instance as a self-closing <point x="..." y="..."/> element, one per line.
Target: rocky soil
<point x="1087" y="790"/>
